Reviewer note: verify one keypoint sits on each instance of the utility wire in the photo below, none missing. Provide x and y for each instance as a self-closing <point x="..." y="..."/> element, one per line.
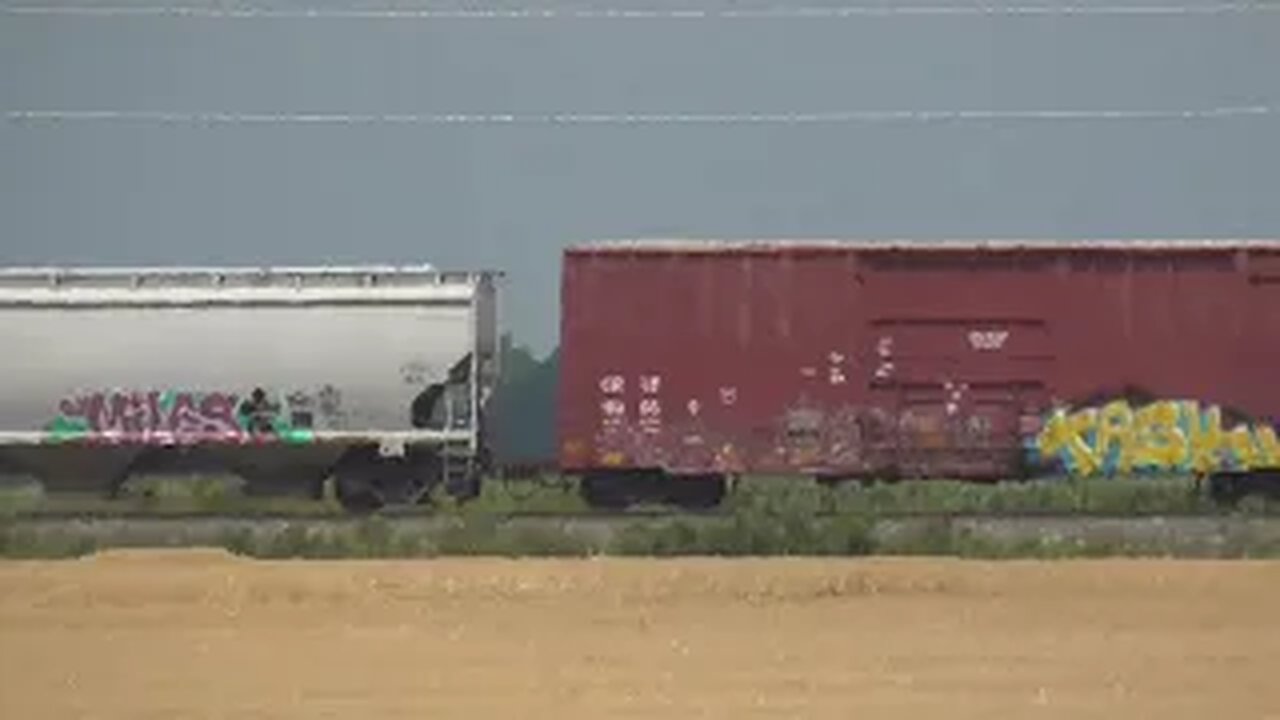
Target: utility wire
<point x="249" y="12"/>
<point x="790" y="118"/>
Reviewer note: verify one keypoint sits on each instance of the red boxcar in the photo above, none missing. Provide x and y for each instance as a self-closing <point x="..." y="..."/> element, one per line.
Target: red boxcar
<point x="686" y="362"/>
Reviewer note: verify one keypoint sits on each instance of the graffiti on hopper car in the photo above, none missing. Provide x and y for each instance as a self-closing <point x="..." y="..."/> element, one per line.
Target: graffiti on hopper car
<point x="182" y="416"/>
<point x="1162" y="436"/>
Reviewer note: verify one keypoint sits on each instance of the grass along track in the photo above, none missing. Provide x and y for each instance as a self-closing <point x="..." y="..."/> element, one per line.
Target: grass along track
<point x="217" y="497"/>
<point x="761" y="517"/>
<point x="1225" y="536"/>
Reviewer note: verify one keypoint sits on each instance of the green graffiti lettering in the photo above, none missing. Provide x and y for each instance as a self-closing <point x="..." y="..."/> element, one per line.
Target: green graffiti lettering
<point x="63" y="429"/>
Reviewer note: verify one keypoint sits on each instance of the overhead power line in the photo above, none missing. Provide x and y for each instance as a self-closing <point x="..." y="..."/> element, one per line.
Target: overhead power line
<point x="790" y="118"/>
<point x="248" y="12"/>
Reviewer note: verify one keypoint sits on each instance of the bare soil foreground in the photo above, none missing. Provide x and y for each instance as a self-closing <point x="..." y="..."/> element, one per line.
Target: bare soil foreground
<point x="206" y="635"/>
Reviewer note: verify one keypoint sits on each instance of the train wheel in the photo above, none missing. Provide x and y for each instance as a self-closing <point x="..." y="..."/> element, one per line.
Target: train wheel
<point x="1229" y="489"/>
<point x="365" y="482"/>
<point x="357" y="498"/>
<point x="697" y="492"/>
<point x="465" y="489"/>
<point x="463" y="481"/>
<point x="616" y="491"/>
<point x="605" y="491"/>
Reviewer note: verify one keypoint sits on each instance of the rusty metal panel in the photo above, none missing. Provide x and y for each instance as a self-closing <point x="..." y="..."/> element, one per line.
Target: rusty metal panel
<point x="173" y="356"/>
<point x="956" y="358"/>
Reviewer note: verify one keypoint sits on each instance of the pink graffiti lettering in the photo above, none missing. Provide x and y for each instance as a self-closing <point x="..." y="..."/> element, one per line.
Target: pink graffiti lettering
<point x="153" y="417"/>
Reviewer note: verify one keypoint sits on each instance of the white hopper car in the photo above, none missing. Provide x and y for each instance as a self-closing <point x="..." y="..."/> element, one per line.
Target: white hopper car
<point x="375" y="376"/>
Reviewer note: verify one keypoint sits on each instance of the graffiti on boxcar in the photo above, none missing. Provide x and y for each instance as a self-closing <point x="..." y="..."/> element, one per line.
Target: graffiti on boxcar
<point x="181" y="416"/>
<point x="651" y="415"/>
<point x="1161" y="436"/>
<point x="650" y="408"/>
<point x="728" y="395"/>
<point x="884" y="357"/>
<point x="613" y="412"/>
<point x="841" y="437"/>
<point x="987" y="340"/>
<point x="802" y="434"/>
<point x="949" y="429"/>
<point x="805" y="434"/>
<point x="923" y="429"/>
<point x="614" y="407"/>
<point x="650" y="384"/>
<point x="956" y="393"/>
<point x="849" y="432"/>
<point x="613" y="384"/>
<point x="835" y="369"/>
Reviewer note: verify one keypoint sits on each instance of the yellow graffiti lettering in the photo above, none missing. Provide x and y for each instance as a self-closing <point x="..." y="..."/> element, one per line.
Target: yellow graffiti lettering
<point x="1206" y="437"/>
<point x="1268" y="447"/>
<point x="1055" y="435"/>
<point x="1240" y="443"/>
<point x="1062" y="435"/>
<point x="1158" y="442"/>
<point x="1162" y="436"/>
<point x="1115" y="428"/>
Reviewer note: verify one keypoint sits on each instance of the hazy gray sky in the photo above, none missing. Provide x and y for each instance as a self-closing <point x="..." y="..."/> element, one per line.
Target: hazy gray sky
<point x="511" y="197"/>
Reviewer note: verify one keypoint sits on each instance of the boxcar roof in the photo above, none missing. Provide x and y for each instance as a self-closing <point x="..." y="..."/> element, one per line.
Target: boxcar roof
<point x="691" y="245"/>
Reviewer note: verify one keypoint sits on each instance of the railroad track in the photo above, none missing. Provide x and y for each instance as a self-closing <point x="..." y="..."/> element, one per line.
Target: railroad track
<point x="56" y="516"/>
<point x="324" y="517"/>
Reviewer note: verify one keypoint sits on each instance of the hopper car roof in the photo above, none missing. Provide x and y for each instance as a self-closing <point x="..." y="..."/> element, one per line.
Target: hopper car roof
<point x="219" y="285"/>
<point x="232" y="273"/>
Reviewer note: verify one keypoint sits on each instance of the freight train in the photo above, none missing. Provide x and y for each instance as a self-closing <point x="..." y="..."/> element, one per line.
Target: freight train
<point x="683" y="364"/>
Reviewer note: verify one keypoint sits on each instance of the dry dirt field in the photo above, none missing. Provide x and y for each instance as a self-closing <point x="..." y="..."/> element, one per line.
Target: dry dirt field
<point x="205" y="635"/>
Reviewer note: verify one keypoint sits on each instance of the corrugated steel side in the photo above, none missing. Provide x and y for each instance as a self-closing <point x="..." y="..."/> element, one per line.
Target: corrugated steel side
<point x="943" y="359"/>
